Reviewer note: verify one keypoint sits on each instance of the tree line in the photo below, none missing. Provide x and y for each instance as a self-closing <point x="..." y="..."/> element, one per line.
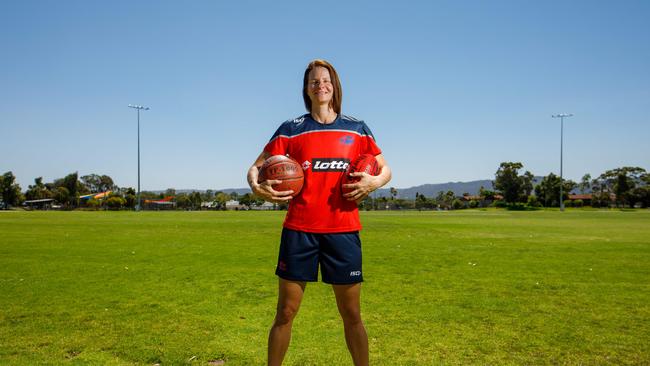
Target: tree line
<point x="512" y="188"/>
<point x="620" y="187"/>
<point x="67" y="191"/>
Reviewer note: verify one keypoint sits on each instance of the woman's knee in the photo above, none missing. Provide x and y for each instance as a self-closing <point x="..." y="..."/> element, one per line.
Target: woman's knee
<point x="285" y="314"/>
<point x="350" y="314"/>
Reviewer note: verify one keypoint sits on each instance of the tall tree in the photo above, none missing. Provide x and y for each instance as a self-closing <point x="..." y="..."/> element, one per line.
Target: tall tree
<point x="62" y="195"/>
<point x="246" y="200"/>
<point x="449" y="199"/>
<point x="527" y="185"/>
<point x="183" y="201"/>
<point x="393" y="192"/>
<point x="91" y="182"/>
<point x="38" y="190"/>
<point x="72" y="184"/>
<point x="96" y="183"/>
<point x="585" y="183"/>
<point x="106" y="183"/>
<point x="420" y="201"/>
<point x="548" y="190"/>
<point x="639" y="195"/>
<point x="622" y="188"/>
<point x="208" y="195"/>
<point x="129" y="200"/>
<point x="622" y="181"/>
<point x="486" y="194"/>
<point x="195" y="199"/>
<point x="645" y="178"/>
<point x="600" y="192"/>
<point x="440" y="197"/>
<point x="513" y="187"/>
<point x="11" y="193"/>
<point x="221" y="199"/>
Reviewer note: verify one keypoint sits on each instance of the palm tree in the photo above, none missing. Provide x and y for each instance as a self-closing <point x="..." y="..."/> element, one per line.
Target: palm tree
<point x="393" y="194"/>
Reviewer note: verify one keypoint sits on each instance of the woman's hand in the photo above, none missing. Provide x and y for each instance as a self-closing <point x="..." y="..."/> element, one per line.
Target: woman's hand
<point x="362" y="188"/>
<point x="266" y="191"/>
<point x="368" y="183"/>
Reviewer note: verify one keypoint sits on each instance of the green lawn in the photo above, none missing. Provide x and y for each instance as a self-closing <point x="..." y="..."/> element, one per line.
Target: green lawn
<point x="464" y="287"/>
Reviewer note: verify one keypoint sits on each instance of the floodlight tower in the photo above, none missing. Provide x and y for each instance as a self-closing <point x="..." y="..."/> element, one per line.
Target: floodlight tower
<point x="561" y="116"/>
<point x="138" y="207"/>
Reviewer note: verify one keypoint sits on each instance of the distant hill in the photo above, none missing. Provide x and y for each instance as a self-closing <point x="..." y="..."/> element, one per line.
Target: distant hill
<point x="429" y="190"/>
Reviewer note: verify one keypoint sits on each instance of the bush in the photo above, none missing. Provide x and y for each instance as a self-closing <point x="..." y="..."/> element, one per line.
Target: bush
<point x="129" y="200"/>
<point x="568" y="203"/>
<point x="578" y="203"/>
<point x="517" y="206"/>
<point x="115" y="202"/>
<point x="533" y="202"/>
<point x="93" y="204"/>
<point x="500" y="204"/>
<point x="457" y="204"/>
<point x="473" y="204"/>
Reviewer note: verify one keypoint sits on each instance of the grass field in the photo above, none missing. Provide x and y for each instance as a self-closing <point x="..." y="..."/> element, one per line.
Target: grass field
<point x="464" y="287"/>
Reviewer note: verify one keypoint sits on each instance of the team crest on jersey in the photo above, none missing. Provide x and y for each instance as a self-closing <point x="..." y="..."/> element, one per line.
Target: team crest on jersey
<point x="329" y="164"/>
<point x="346" y="140"/>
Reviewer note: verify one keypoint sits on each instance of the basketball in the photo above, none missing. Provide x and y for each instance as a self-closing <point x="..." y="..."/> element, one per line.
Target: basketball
<point x="283" y="168"/>
<point x="365" y="163"/>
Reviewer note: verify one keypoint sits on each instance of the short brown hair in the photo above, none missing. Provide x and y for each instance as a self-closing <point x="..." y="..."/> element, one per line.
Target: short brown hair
<point x="337" y="94"/>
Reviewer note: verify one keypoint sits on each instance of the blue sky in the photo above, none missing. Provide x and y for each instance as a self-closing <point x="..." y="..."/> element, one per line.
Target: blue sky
<point x="450" y="89"/>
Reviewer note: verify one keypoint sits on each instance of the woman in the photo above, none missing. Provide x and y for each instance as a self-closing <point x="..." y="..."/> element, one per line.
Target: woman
<point x="322" y="224"/>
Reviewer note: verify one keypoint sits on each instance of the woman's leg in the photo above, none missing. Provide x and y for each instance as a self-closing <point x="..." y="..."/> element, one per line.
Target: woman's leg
<point x="349" y="304"/>
<point x="289" y="298"/>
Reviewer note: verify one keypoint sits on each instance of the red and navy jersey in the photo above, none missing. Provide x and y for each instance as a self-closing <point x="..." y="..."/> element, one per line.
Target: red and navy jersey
<point x="325" y="152"/>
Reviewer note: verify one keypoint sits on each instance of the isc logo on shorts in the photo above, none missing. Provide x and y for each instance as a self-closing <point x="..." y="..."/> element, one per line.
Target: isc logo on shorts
<point x="355" y="273"/>
<point x="329" y="164"/>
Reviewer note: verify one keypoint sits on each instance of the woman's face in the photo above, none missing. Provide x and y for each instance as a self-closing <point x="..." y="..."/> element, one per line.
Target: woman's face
<point x="319" y="86"/>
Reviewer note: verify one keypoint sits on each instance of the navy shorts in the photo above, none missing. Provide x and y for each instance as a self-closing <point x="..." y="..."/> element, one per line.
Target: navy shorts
<point x="339" y="257"/>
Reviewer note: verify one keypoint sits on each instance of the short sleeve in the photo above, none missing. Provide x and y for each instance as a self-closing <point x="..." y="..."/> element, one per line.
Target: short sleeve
<point x="279" y="142"/>
<point x="369" y="145"/>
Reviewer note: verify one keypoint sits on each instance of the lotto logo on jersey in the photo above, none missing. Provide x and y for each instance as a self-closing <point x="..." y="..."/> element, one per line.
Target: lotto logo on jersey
<point x="329" y="164"/>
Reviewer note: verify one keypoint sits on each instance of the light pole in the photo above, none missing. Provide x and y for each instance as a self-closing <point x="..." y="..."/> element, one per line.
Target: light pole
<point x="561" y="116"/>
<point x="138" y="207"/>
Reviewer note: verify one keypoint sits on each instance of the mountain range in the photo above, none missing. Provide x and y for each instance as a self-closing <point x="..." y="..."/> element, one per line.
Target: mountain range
<point x="429" y="190"/>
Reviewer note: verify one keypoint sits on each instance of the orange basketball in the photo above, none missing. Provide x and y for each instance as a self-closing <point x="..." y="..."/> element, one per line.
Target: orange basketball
<point x="283" y="168"/>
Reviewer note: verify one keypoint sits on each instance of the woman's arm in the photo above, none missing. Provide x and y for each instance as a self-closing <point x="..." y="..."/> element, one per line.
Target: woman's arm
<point x="265" y="189"/>
<point x="368" y="183"/>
